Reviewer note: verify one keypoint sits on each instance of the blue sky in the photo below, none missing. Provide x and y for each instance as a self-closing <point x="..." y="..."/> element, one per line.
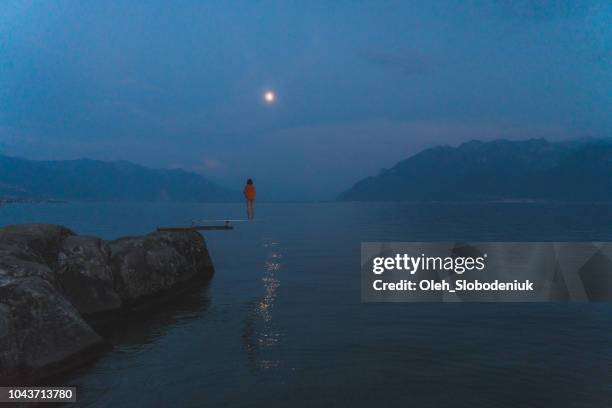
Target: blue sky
<point x="360" y="85"/>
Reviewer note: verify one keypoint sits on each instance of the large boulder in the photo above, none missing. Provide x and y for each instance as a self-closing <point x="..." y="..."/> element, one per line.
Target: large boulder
<point x="157" y="262"/>
<point x="31" y="250"/>
<point x="40" y="331"/>
<point x="43" y="240"/>
<point x="85" y="276"/>
<point x="18" y="262"/>
<point x="51" y="278"/>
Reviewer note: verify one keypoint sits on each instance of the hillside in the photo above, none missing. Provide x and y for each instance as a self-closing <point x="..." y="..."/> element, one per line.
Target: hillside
<point x="93" y="180"/>
<point x="499" y="170"/>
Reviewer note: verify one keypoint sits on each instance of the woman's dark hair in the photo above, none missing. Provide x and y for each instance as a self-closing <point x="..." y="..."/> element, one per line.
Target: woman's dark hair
<point x="250" y="181"/>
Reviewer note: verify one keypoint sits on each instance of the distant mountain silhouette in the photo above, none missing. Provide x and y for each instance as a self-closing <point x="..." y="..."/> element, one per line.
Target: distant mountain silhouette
<point x="534" y="169"/>
<point x="90" y="180"/>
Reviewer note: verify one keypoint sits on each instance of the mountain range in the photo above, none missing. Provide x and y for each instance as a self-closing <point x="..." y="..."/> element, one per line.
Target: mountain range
<point x="535" y="169"/>
<point x="94" y="180"/>
<point x="500" y="170"/>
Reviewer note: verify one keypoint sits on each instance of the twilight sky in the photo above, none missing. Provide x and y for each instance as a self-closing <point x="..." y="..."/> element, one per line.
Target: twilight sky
<point x="359" y="85"/>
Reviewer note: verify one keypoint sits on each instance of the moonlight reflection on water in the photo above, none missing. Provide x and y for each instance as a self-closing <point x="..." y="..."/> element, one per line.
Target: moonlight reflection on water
<point x="260" y="334"/>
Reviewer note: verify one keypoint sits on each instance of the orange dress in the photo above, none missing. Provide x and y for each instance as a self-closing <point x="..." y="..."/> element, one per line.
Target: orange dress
<point x="249" y="192"/>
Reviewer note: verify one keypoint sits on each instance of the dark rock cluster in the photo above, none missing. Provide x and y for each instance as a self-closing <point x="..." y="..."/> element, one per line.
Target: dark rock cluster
<point x="52" y="281"/>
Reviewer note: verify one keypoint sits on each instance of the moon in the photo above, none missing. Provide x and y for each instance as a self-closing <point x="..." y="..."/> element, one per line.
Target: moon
<point x="269" y="97"/>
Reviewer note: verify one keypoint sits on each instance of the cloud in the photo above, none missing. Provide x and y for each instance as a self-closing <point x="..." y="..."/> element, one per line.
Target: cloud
<point x="213" y="164"/>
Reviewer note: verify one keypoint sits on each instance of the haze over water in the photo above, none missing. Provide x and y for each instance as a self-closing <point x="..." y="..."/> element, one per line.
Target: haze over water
<point x="281" y="323"/>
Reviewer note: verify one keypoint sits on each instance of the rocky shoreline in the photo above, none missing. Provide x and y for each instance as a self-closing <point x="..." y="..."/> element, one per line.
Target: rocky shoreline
<point x="54" y="282"/>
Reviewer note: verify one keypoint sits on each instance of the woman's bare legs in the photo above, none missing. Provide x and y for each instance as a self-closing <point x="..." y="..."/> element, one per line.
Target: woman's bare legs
<point x="250" y="209"/>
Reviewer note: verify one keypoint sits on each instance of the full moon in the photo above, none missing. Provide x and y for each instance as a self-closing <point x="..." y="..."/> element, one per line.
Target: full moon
<point x="269" y="97"/>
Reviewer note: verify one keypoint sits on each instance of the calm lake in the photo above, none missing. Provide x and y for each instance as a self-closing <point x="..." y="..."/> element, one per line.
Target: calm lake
<point x="281" y="323"/>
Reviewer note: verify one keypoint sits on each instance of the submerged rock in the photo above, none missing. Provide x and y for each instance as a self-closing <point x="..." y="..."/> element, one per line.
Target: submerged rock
<point x="50" y="279"/>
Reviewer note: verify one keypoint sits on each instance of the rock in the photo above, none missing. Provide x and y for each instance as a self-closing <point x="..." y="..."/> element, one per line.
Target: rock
<point x="31" y="250"/>
<point x="42" y="239"/>
<point x="85" y="276"/>
<point x="51" y="278"/>
<point x="40" y="331"/>
<point x="17" y="263"/>
<point x="157" y="262"/>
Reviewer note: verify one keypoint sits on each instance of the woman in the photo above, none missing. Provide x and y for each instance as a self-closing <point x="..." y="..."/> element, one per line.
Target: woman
<point x="249" y="195"/>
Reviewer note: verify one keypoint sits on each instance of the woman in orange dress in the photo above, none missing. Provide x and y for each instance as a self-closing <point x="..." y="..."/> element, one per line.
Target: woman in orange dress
<point x="249" y="195"/>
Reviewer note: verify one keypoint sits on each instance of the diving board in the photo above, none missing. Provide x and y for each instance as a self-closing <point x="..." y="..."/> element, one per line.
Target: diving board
<point x="196" y="228"/>
<point x="199" y="227"/>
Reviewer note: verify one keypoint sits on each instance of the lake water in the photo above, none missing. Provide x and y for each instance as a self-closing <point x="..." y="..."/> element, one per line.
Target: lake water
<point x="281" y="323"/>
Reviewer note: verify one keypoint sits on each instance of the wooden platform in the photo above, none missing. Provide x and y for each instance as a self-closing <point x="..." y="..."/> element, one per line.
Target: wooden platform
<point x="197" y="228"/>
